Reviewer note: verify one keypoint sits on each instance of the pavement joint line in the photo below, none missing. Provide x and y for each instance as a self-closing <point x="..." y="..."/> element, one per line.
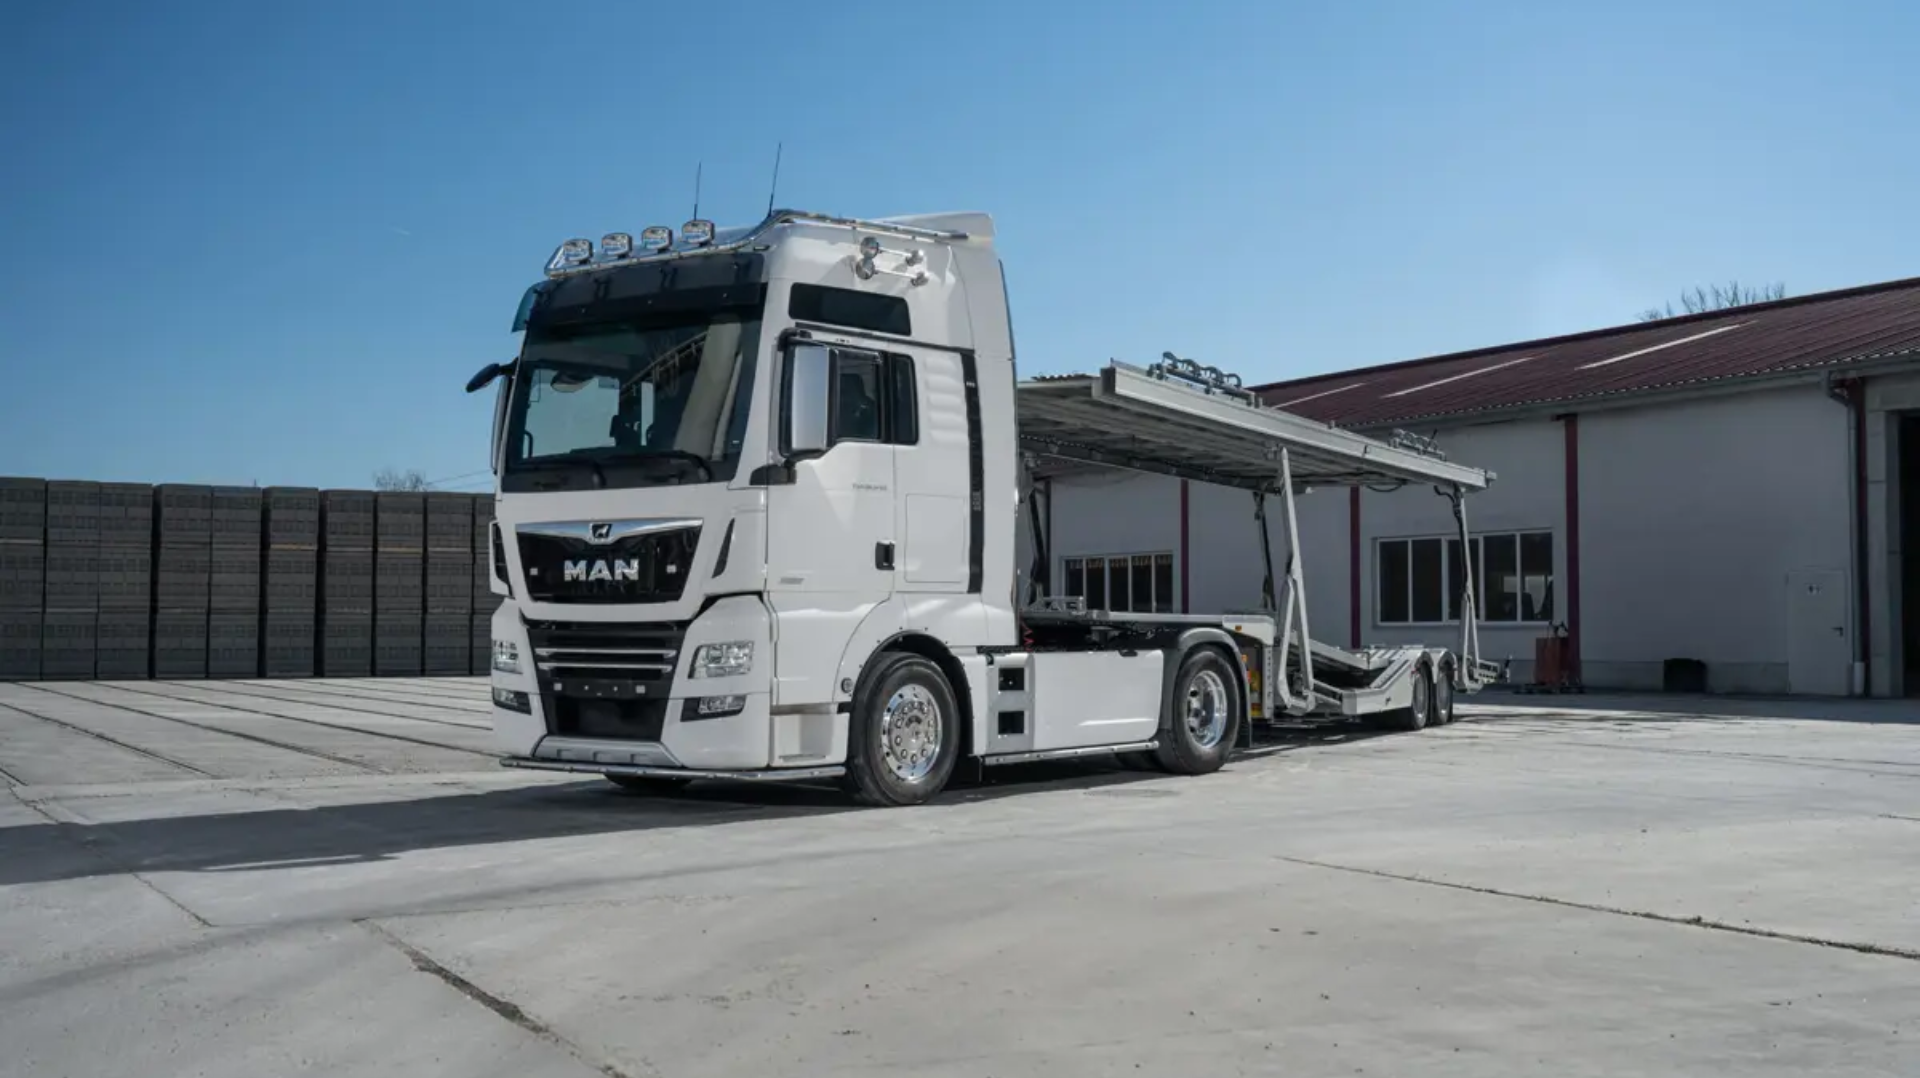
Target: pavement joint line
<point x="256" y="738"/>
<point x="1876" y="949"/>
<point x="96" y="735"/>
<point x="217" y="687"/>
<point x="289" y="718"/>
<point x="66" y="828"/>
<point x="504" y="1008"/>
<point x="318" y="687"/>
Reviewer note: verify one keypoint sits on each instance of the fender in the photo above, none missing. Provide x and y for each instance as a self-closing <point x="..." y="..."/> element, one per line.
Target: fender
<point x="1177" y="654"/>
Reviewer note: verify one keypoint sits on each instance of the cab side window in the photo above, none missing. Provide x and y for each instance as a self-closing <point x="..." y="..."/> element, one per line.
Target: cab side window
<point x="874" y="398"/>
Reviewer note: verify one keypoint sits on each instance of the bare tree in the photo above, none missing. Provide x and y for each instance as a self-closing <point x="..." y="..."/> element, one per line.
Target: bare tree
<point x="1699" y="300"/>
<point x="391" y="479"/>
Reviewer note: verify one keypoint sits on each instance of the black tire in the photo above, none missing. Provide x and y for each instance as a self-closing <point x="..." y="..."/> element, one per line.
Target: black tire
<point x="1185" y="750"/>
<point x="1443" y="695"/>
<point x="913" y="683"/>
<point x="1420" y="714"/>
<point x="648" y="784"/>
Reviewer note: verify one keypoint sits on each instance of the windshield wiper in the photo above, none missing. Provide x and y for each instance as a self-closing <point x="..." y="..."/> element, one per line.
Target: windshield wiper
<point x="597" y="455"/>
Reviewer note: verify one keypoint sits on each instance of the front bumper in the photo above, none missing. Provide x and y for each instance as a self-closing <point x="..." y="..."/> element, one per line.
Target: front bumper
<point x="582" y="720"/>
<point x="785" y="774"/>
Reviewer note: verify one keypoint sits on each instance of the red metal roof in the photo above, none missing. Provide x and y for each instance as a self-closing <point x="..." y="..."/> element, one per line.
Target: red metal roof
<point x="1826" y="329"/>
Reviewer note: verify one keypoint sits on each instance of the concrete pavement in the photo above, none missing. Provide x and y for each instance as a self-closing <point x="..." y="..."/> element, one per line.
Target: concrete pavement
<point x="332" y="878"/>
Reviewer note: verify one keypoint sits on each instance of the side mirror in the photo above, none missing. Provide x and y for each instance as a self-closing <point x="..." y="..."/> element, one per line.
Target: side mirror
<point x="809" y="399"/>
<point x="499" y="424"/>
<point x="486" y="376"/>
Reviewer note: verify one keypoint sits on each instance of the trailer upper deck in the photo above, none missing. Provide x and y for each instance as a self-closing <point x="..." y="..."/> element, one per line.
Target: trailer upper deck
<point x="1177" y="418"/>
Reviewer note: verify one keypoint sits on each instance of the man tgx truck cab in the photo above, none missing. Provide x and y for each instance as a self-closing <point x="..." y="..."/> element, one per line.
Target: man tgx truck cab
<point x="756" y="510"/>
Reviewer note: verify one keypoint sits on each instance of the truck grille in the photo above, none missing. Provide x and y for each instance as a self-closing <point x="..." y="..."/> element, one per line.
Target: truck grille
<point x="605" y="679"/>
<point x="649" y="567"/>
<point x="574" y="650"/>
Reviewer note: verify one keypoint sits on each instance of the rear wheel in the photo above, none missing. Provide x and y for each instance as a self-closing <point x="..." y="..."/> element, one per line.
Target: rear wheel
<point x="904" y="734"/>
<point x="1443" y="695"/>
<point x="1418" y="714"/>
<point x="1207" y="715"/>
<point x="648" y="784"/>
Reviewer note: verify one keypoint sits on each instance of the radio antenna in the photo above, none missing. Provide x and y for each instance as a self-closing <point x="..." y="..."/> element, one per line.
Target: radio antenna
<point x="774" y="190"/>
<point x="697" y="169"/>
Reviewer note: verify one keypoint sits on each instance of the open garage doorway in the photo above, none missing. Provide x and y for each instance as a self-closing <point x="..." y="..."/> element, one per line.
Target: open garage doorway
<point x="1907" y="609"/>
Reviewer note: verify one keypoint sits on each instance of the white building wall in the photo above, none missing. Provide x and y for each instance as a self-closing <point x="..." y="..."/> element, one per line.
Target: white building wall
<point x="1114" y="512"/>
<point x="1693" y="515"/>
<point x="1226" y="569"/>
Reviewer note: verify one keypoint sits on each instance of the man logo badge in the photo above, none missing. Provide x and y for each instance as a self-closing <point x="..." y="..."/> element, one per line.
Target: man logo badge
<point x="609" y="569"/>
<point x="600" y="532"/>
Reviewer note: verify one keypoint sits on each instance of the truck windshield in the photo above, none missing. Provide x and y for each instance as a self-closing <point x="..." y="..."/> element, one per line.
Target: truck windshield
<point x="626" y="405"/>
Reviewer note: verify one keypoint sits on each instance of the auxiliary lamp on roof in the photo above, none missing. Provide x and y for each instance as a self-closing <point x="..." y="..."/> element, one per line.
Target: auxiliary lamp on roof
<point x="656" y="238"/>
<point x="697" y="232"/>
<point x="616" y="245"/>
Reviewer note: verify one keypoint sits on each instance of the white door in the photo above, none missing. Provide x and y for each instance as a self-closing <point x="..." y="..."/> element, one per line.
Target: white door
<point x="831" y="539"/>
<point x="1819" y="647"/>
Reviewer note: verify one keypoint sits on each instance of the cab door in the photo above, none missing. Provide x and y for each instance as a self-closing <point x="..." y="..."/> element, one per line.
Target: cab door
<point x="832" y="543"/>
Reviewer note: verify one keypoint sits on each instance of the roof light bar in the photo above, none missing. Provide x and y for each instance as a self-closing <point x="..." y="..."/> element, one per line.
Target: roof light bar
<point x="575" y="252"/>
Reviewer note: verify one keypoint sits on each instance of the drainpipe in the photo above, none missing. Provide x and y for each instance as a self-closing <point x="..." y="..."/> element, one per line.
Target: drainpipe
<point x="1852" y="392"/>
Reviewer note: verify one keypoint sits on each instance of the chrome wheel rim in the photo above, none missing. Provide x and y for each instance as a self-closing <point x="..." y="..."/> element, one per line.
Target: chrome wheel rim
<point x="1207" y="709"/>
<point x="910" y="732"/>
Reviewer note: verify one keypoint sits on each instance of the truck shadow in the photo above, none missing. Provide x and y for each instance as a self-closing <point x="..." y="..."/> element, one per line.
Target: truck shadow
<point x="296" y="837"/>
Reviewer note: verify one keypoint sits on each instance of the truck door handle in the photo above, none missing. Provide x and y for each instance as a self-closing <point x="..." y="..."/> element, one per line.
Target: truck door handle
<point x="883" y="554"/>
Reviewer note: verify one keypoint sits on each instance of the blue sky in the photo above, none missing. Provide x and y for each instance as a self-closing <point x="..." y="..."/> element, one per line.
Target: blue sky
<point x="265" y="242"/>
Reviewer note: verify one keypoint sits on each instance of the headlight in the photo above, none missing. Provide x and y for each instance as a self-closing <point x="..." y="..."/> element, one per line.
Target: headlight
<point x="506" y="656"/>
<point x="729" y="659"/>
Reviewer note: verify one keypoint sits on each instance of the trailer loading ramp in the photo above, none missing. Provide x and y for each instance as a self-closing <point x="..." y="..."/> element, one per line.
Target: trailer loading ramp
<point x="1170" y="421"/>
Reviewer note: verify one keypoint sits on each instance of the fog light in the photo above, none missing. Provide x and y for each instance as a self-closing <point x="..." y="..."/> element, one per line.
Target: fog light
<point x="713" y="707"/>
<point x="512" y="700"/>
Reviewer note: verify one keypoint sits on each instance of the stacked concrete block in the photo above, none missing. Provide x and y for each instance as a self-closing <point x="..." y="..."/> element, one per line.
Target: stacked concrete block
<point x="233" y="621"/>
<point x="183" y="579"/>
<point x="68" y="634"/>
<point x="485" y="602"/>
<point x="123" y="631"/>
<point x="399" y="584"/>
<point x="449" y="585"/>
<point x="290" y="606"/>
<point x="23" y="576"/>
<point x="346" y="583"/>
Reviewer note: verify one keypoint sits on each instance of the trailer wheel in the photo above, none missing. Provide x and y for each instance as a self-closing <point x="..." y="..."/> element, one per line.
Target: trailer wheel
<point x="1207" y="715"/>
<point x="647" y="784"/>
<point x="1419" y="714"/>
<point x="904" y="734"/>
<point x="1443" y="694"/>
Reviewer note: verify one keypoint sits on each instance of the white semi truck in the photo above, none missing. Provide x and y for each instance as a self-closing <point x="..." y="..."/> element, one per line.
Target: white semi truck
<point x="756" y="511"/>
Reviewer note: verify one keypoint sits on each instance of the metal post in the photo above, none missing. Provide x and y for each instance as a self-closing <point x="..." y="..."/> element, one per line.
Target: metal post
<point x="1267" y="599"/>
<point x="1469" y="609"/>
<point x="1296" y="581"/>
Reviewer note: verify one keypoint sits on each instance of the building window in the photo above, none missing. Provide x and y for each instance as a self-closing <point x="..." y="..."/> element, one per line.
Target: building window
<point x="1123" y="583"/>
<point x="1419" y="581"/>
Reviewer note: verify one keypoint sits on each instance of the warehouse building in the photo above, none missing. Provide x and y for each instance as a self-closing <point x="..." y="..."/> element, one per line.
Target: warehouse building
<point x="1732" y="496"/>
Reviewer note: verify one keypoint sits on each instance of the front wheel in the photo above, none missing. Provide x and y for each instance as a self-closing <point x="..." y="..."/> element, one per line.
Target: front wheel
<point x="1207" y="712"/>
<point x="904" y="733"/>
